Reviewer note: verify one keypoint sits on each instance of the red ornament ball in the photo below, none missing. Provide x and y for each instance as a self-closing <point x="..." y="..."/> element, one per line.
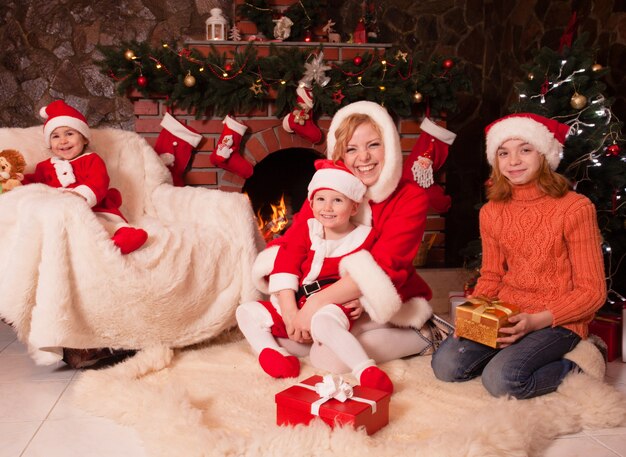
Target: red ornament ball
<point x="142" y="81"/>
<point x="613" y="150"/>
<point x="228" y="66"/>
<point x="358" y="60"/>
<point x="448" y="64"/>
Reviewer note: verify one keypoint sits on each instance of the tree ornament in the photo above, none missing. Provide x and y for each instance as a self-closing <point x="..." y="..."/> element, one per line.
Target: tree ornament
<point x="189" y="80"/>
<point x="338" y="96"/>
<point x="578" y="101"/>
<point x="448" y="64"/>
<point x="418" y="97"/>
<point x="613" y="150"/>
<point x="530" y="76"/>
<point x="256" y="88"/>
<point x="129" y="55"/>
<point x="358" y="60"/>
<point x="235" y="33"/>
<point x="142" y="81"/>
<point x="596" y="67"/>
<point x="315" y="72"/>
<point x="228" y="66"/>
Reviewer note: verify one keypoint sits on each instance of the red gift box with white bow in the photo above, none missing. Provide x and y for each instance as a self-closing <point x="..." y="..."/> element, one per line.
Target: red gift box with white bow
<point x="322" y="397"/>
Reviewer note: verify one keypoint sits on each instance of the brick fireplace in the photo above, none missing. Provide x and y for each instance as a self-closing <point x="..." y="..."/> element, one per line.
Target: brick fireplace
<point x="265" y="134"/>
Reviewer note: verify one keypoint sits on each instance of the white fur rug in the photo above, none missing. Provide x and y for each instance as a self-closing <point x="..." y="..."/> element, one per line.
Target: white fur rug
<point x="216" y="401"/>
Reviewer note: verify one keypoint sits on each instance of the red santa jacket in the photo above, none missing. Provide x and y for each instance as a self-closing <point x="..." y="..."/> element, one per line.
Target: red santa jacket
<point x="310" y="257"/>
<point x="86" y="175"/>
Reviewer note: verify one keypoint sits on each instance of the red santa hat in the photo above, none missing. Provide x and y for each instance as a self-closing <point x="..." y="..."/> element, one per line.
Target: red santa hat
<point x="60" y="114"/>
<point x="546" y="135"/>
<point x="336" y="176"/>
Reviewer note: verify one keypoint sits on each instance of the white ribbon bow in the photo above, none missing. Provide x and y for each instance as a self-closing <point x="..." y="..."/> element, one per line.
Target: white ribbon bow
<point x="334" y="387"/>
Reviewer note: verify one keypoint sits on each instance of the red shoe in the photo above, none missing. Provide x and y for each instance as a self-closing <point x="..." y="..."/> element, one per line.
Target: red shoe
<point x="376" y="378"/>
<point x="277" y="365"/>
<point x="129" y="239"/>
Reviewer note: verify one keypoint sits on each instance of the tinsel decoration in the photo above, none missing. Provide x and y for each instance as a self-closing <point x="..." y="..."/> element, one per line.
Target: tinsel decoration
<point x="242" y="80"/>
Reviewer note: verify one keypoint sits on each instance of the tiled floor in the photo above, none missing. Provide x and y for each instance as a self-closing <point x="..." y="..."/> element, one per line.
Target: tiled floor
<point x="37" y="419"/>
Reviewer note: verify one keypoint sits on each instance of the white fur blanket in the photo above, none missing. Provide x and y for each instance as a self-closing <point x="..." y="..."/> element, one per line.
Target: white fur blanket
<point x="64" y="283"/>
<point x="216" y="401"/>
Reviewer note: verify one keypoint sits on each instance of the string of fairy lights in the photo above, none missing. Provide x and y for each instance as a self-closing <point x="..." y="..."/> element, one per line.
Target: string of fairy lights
<point x="391" y="77"/>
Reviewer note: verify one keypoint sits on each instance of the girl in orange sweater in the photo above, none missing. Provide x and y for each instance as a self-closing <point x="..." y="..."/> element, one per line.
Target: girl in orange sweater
<point x="541" y="251"/>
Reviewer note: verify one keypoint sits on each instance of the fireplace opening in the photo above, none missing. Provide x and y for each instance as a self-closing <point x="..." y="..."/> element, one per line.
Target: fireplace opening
<point x="278" y="188"/>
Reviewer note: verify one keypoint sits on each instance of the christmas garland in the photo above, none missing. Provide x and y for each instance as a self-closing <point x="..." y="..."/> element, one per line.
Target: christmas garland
<point x="244" y="81"/>
<point x="305" y="14"/>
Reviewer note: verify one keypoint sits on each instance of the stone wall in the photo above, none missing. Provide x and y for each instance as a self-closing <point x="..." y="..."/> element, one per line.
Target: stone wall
<point x="49" y="48"/>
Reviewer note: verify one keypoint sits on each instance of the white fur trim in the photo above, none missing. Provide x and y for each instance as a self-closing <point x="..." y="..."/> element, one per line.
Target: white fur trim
<point x="413" y="313"/>
<point x="172" y="125"/>
<point x="529" y="130"/>
<point x="339" y="180"/>
<point x="262" y="267"/>
<point x="307" y="100"/>
<point x="379" y="296"/>
<point x="87" y="193"/>
<point x="234" y="125"/>
<point x="437" y="131"/>
<point x="282" y="281"/>
<point x="392" y="168"/>
<point x="286" y="125"/>
<point x="64" y="171"/>
<point x="65" y="121"/>
<point x="167" y="159"/>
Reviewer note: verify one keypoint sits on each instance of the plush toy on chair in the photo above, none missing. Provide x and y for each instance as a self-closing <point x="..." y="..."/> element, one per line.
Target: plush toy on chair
<point x="12" y="166"/>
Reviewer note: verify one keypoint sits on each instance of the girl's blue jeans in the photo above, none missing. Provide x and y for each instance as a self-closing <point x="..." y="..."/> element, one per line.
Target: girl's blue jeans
<point x="532" y="366"/>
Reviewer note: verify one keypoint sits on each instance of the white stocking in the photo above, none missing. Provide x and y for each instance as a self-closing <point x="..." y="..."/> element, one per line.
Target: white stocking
<point x="255" y="323"/>
<point x="329" y="326"/>
<point x="382" y="342"/>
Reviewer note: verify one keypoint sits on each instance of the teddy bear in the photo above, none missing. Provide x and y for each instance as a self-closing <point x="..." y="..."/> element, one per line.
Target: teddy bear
<point x="12" y="166"/>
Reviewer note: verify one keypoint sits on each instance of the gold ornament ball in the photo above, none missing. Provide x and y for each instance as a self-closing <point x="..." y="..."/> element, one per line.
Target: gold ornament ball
<point x="531" y="76"/>
<point x="418" y="97"/>
<point x="578" y="101"/>
<point x="129" y="55"/>
<point x="596" y="67"/>
<point x="189" y="81"/>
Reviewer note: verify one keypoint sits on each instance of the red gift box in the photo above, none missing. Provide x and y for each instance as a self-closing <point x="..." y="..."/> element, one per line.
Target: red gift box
<point x="609" y="328"/>
<point x="294" y="406"/>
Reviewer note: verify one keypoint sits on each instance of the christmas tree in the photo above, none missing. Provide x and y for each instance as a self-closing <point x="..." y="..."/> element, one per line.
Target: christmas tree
<point x="567" y="85"/>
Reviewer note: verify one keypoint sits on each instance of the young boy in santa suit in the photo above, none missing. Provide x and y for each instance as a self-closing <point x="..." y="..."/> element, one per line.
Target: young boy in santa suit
<point x="312" y="264"/>
<point x="76" y="169"/>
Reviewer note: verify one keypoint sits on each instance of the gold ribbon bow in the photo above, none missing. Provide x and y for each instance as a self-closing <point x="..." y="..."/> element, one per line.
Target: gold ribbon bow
<point x="487" y="306"/>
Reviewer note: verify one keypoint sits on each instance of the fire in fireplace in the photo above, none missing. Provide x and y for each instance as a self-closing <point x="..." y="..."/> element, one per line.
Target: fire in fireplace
<point x="278" y="188"/>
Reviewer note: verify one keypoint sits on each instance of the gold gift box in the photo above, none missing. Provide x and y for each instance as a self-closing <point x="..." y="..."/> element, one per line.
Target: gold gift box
<point x="480" y="319"/>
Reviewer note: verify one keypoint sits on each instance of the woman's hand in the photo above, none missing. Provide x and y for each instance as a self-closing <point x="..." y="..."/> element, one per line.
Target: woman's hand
<point x="356" y="307"/>
<point x="523" y="324"/>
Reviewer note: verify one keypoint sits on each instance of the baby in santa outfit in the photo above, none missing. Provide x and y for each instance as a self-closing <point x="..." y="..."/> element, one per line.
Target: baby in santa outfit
<point x="75" y="169"/>
<point x="334" y="194"/>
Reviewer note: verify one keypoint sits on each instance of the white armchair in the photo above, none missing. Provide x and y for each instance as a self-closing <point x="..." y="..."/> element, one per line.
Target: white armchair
<point x="64" y="283"/>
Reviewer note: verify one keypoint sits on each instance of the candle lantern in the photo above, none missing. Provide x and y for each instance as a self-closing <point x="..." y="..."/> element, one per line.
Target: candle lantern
<point x="216" y="25"/>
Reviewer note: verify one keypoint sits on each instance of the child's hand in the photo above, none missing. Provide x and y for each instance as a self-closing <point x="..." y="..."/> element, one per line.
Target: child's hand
<point x="302" y="326"/>
<point x="524" y="323"/>
<point x="356" y="307"/>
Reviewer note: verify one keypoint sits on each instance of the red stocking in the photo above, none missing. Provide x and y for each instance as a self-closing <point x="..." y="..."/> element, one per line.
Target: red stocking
<point x="226" y="154"/>
<point x="174" y="146"/>
<point x="300" y="120"/>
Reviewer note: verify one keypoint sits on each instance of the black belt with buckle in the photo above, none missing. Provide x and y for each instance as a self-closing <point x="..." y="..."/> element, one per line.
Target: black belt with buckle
<point x="309" y="289"/>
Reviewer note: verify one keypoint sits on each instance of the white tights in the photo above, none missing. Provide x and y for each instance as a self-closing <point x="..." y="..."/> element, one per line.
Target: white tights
<point x="329" y="328"/>
<point x="382" y="342"/>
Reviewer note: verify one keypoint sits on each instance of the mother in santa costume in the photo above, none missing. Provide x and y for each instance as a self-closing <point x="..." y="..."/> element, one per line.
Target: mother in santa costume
<point x="399" y="320"/>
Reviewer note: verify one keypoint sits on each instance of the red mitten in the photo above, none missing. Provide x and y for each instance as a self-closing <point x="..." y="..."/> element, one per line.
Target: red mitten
<point x="226" y="154"/>
<point x="300" y="120"/>
<point x="174" y="146"/>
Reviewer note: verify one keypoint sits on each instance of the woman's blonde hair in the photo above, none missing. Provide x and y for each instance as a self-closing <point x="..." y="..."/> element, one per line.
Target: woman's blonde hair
<point x="551" y="183"/>
<point x="346" y="129"/>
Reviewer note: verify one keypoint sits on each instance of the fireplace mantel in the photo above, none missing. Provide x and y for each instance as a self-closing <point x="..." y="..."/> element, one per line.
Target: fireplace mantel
<point x="265" y="133"/>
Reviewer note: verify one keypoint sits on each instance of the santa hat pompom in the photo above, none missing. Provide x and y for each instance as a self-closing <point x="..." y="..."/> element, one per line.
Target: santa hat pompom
<point x="546" y="135"/>
<point x="60" y="114"/>
<point x="336" y="176"/>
